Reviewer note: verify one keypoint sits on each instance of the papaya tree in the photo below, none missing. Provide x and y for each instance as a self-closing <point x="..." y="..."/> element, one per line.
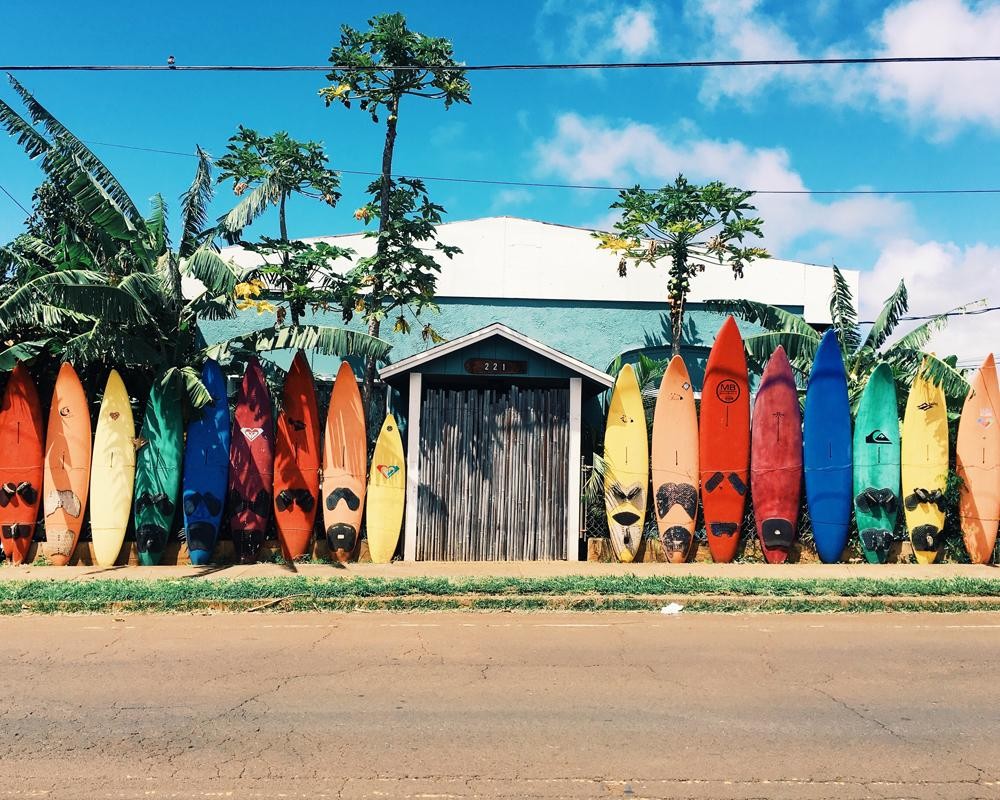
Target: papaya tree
<point x="376" y="68"/>
<point x="687" y="226"/>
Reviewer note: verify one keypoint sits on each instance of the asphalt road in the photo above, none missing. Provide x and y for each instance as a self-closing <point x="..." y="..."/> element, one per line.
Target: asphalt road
<point x="500" y="705"/>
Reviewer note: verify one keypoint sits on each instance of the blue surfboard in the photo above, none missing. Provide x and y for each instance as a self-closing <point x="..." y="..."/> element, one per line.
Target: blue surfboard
<point x="206" y="468"/>
<point x="827" y="450"/>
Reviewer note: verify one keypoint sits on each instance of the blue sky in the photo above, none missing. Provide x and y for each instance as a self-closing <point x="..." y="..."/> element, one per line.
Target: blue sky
<point x="817" y="128"/>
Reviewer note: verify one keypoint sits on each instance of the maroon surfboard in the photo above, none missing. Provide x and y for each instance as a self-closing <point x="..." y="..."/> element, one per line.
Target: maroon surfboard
<point x="251" y="465"/>
<point x="776" y="459"/>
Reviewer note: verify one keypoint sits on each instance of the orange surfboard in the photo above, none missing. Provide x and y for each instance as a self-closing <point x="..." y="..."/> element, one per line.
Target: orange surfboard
<point x="296" y="461"/>
<point x="977" y="461"/>
<point x="20" y="464"/>
<point x="724" y="442"/>
<point x="675" y="462"/>
<point x="67" y="466"/>
<point x="345" y="461"/>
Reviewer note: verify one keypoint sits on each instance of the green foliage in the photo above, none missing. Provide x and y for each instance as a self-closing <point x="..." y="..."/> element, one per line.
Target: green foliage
<point x="362" y="64"/>
<point x="402" y="275"/>
<point x="266" y="171"/>
<point x="689" y="226"/>
<point x="861" y="353"/>
<point x="93" y="281"/>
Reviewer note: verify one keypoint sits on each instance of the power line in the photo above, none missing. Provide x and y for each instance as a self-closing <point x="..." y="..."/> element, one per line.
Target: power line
<point x="591" y="187"/>
<point x="14" y="200"/>
<point x="764" y="62"/>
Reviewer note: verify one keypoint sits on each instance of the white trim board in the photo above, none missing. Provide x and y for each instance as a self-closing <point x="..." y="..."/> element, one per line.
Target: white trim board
<point x="497" y="329"/>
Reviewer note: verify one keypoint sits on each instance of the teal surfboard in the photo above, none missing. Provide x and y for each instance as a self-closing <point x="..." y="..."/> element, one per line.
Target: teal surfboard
<point x="876" y="465"/>
<point x="158" y="471"/>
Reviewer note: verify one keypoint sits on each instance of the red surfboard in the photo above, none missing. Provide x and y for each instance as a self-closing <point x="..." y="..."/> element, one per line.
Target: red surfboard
<point x="251" y="465"/>
<point x="724" y="442"/>
<point x="21" y="437"/>
<point x="776" y="458"/>
<point x="296" y="461"/>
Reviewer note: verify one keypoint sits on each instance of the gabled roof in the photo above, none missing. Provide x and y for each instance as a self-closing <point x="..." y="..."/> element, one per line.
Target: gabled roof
<point x="423" y="359"/>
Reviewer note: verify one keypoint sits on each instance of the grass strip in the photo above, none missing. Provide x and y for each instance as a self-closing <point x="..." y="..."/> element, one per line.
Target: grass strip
<point x="502" y="593"/>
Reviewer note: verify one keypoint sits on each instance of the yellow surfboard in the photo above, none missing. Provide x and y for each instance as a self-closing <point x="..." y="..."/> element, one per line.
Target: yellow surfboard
<point x="112" y="472"/>
<point x="386" y="493"/>
<point x="924" y="456"/>
<point x="626" y="464"/>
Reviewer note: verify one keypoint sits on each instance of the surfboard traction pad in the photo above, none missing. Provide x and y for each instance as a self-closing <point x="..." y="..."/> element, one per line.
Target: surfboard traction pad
<point x="248" y="541"/>
<point x="677" y="538"/>
<point x="777" y="533"/>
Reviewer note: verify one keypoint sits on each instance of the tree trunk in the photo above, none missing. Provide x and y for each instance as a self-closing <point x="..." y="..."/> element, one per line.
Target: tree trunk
<point x="283" y="228"/>
<point x="384" y="222"/>
<point x="676" y="297"/>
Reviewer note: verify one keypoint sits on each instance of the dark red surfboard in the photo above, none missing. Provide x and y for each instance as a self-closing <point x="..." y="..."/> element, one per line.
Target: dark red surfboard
<point x="776" y="459"/>
<point x="251" y="465"/>
<point x="724" y="442"/>
<point x="21" y="438"/>
<point x="296" y="461"/>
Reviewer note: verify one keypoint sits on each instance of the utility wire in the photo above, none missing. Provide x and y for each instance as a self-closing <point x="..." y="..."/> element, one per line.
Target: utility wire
<point x="592" y="187"/>
<point x="764" y="62"/>
<point x="14" y="200"/>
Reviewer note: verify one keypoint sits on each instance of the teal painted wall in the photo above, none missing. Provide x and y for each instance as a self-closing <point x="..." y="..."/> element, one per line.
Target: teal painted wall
<point x="592" y="332"/>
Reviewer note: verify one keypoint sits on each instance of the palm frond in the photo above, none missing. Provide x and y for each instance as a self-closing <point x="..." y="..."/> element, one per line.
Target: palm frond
<point x="188" y="378"/>
<point x="24" y="307"/>
<point x="90" y="162"/>
<point x="918" y="338"/>
<point x="100" y="208"/>
<point x="771" y="318"/>
<point x="843" y="313"/>
<point x="242" y="215"/>
<point x="941" y="373"/>
<point x="217" y="275"/>
<point x="112" y="305"/>
<point x="194" y="205"/>
<point x="24" y="132"/>
<point x="888" y="318"/>
<point x="799" y="347"/>
<point x="20" y="351"/>
<point x="156" y="223"/>
<point x="324" y="339"/>
<point x="170" y="279"/>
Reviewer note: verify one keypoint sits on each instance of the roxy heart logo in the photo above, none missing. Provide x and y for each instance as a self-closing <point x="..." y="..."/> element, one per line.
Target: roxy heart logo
<point x="985" y="418"/>
<point x="252" y="433"/>
<point x="387" y="470"/>
<point x="877" y="437"/>
<point x="114" y="415"/>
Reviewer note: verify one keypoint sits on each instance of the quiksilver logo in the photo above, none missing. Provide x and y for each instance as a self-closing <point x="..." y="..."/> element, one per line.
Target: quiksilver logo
<point x="877" y="437"/>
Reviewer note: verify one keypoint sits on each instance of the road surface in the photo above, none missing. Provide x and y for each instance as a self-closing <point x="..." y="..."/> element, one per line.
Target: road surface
<point x="453" y="705"/>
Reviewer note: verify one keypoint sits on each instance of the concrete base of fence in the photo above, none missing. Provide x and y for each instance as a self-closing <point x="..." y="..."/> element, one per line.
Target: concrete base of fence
<point x="176" y="553"/>
<point x="599" y="549"/>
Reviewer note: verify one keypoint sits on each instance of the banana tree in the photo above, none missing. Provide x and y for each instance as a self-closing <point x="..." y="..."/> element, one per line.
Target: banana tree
<point x="108" y="287"/>
<point x="862" y="350"/>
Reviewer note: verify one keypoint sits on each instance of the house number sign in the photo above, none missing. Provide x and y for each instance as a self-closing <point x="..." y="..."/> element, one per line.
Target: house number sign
<point x="495" y="366"/>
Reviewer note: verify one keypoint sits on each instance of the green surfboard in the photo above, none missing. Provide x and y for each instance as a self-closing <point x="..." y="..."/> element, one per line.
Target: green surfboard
<point x="158" y="471"/>
<point x="876" y="465"/>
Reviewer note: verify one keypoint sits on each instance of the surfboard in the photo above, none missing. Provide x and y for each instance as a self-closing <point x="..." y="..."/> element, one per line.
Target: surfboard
<point x="776" y="459"/>
<point x="296" y="461"/>
<point x="826" y="438"/>
<point x="675" y="462"/>
<point x="67" y="466"/>
<point x="251" y="465"/>
<point x="158" y="459"/>
<point x="977" y="461"/>
<point x="876" y="465"/>
<point x="206" y="468"/>
<point x="345" y="461"/>
<point x="112" y="473"/>
<point x="626" y="466"/>
<point x="724" y="442"/>
<point x="386" y="493"/>
<point x="924" y="456"/>
<point x="20" y="464"/>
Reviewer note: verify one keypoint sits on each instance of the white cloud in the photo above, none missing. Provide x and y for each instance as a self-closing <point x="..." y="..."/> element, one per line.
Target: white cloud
<point x="506" y="198"/>
<point x="941" y="96"/>
<point x="940" y="276"/>
<point x="594" y="151"/>
<point x="596" y="30"/>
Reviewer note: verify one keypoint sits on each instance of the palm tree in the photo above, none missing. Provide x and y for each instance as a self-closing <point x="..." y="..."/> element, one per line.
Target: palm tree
<point x="104" y="285"/>
<point x="861" y="351"/>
